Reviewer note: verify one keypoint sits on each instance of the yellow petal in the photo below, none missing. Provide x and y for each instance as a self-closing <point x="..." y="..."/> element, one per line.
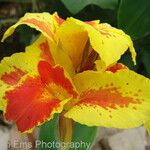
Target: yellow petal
<point x="43" y="22"/>
<point x="110" y="43"/>
<point x="120" y="100"/>
<point x="49" y="51"/>
<point x="14" y="69"/>
<point x="48" y="91"/>
<point x="100" y="65"/>
<point x="73" y="40"/>
<point x="58" y="20"/>
<point x="115" y="43"/>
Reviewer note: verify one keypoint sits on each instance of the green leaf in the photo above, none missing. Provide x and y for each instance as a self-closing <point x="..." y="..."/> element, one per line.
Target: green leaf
<point x="83" y="137"/>
<point x="75" y="6"/>
<point x="146" y="61"/>
<point x="48" y="135"/>
<point x="133" y="17"/>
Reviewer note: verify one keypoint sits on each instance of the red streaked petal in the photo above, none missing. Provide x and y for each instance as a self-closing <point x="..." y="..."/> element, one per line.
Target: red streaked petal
<point x="118" y="100"/>
<point x="58" y="19"/>
<point x="116" y="67"/>
<point x="49" y="51"/>
<point x="13" y="77"/>
<point x="93" y="23"/>
<point x="46" y="52"/>
<point x="107" y="98"/>
<point x="55" y="75"/>
<point x="43" y="22"/>
<point x="31" y="104"/>
<point x="41" y="25"/>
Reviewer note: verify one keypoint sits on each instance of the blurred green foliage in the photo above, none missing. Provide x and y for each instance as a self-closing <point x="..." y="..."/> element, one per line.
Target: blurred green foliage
<point x="75" y="6"/>
<point x="48" y="133"/>
<point x="87" y="136"/>
<point x="133" y="17"/>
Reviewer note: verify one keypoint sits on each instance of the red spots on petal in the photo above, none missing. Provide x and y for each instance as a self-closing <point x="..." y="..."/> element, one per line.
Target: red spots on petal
<point x="130" y="92"/>
<point x="41" y="25"/>
<point x="105" y="30"/>
<point x="92" y="23"/>
<point x="136" y="94"/>
<point x="89" y="22"/>
<point x="110" y="116"/>
<point x="106" y="85"/>
<point x="13" y="77"/>
<point x="59" y="20"/>
<point x="46" y="53"/>
<point x="139" y="90"/>
<point x="111" y="84"/>
<point x="116" y="67"/>
<point x="106" y="34"/>
<point x="30" y="104"/>
<point x="134" y="108"/>
<point x="55" y="75"/>
<point x="100" y="114"/>
<point x="107" y="98"/>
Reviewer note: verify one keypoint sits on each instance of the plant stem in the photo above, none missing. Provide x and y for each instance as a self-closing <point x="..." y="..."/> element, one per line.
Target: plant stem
<point x="65" y="130"/>
<point x="32" y="140"/>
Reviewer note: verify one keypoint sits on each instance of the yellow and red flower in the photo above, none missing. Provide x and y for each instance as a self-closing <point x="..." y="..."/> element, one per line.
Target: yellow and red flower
<point x="73" y="67"/>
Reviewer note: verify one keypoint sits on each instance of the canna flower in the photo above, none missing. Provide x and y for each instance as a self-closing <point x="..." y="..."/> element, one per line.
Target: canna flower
<point x="72" y="69"/>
